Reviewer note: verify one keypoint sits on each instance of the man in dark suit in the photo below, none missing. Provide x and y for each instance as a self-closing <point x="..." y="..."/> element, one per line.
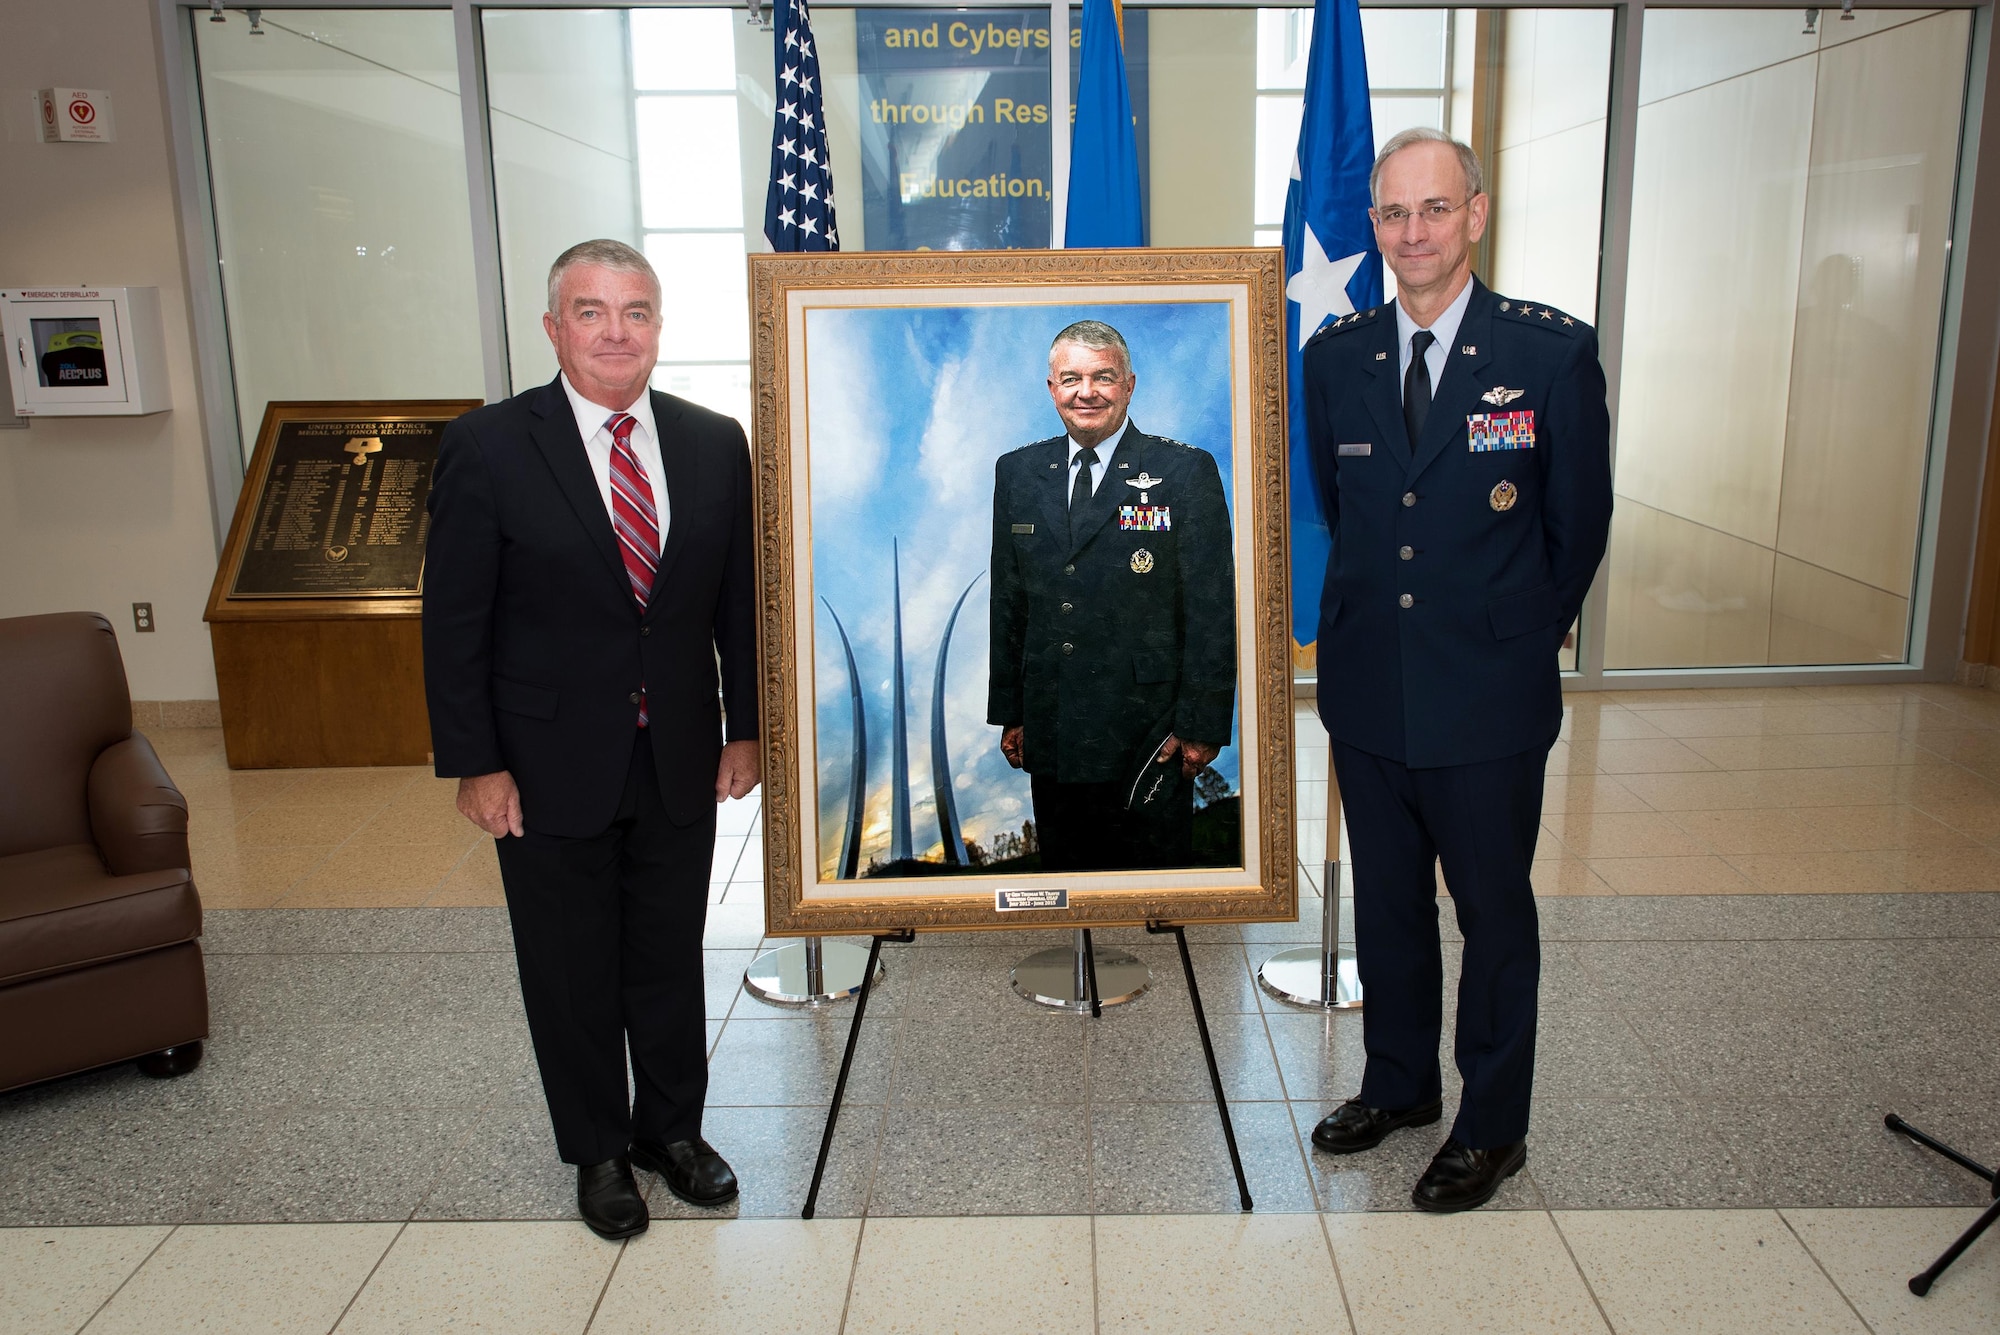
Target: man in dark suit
<point x="590" y="559"/>
<point x="1462" y="451"/>
<point x="1113" y="668"/>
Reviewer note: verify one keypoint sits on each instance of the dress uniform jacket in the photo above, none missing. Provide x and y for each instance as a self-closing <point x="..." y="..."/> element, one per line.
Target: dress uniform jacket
<point x="1457" y="565"/>
<point x="1101" y="644"/>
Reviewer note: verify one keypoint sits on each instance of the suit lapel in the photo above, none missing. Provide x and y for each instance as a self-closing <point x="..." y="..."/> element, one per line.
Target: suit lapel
<point x="1104" y="502"/>
<point x="1384" y="395"/>
<point x="554" y="434"/>
<point x="681" y="477"/>
<point x="1464" y="374"/>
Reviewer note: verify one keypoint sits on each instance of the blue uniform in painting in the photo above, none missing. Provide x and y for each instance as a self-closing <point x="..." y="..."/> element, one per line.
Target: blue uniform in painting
<point x="1458" y="563"/>
<point x="1108" y="633"/>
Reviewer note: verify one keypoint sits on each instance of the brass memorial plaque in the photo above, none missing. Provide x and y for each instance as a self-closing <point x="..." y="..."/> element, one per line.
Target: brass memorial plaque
<point x="339" y="508"/>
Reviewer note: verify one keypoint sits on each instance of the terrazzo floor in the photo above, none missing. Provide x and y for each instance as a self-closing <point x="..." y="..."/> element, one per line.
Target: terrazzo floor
<point x="365" y="1146"/>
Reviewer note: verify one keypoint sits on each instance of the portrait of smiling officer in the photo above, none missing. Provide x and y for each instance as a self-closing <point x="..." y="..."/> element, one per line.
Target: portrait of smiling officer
<point x="1113" y="661"/>
<point x="591" y="560"/>
<point x="1462" y="450"/>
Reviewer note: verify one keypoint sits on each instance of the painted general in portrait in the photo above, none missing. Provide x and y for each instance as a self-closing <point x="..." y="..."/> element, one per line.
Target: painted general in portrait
<point x="1112" y="648"/>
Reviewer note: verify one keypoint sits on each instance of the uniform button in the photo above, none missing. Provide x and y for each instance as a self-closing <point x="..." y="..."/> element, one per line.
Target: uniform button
<point x="632" y="698"/>
<point x="1069" y="570"/>
<point x="1409" y="498"/>
<point x="1069" y="648"/>
<point x="1068" y="608"/>
<point x="1407" y="601"/>
<point x="645" y="631"/>
<point x="1406" y="552"/>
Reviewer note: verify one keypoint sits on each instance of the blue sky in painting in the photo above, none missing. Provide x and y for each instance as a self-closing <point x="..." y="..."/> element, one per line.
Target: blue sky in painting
<point x="908" y="407"/>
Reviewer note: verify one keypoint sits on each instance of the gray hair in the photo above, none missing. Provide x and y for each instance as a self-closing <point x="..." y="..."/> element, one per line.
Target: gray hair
<point x="605" y="254"/>
<point x="1094" y="334"/>
<point x="1475" y="175"/>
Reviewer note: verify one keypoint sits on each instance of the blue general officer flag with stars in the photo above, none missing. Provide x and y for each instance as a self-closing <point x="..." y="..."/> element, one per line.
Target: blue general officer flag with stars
<point x="798" y="208"/>
<point x="1332" y="267"/>
<point x="1103" y="155"/>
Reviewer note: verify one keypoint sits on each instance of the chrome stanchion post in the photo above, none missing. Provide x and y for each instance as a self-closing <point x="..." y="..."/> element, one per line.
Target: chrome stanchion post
<point x="1061" y="975"/>
<point x="1326" y="978"/>
<point x="812" y="972"/>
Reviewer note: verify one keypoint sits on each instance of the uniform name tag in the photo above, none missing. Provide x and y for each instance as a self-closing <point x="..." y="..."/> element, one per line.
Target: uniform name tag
<point x="1362" y="448"/>
<point x="1500" y="431"/>
<point x="1146" y="518"/>
<point x="1024" y="528"/>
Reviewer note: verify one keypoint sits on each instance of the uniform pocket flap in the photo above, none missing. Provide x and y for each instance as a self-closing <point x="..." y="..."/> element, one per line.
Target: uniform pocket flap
<point x="1520" y="613"/>
<point x="1155" y="665"/>
<point x="518" y="697"/>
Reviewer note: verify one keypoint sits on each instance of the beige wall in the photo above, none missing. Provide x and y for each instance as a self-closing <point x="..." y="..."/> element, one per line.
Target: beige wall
<point x="99" y="513"/>
<point x="1791" y="203"/>
<point x="1204" y="122"/>
<point x="1548" y="169"/>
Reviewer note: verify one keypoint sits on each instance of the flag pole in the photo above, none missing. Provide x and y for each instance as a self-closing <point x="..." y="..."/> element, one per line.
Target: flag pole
<point x="1059" y="122"/>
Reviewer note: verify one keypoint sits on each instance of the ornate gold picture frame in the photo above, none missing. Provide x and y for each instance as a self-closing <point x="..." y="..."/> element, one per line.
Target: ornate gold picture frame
<point x="891" y="392"/>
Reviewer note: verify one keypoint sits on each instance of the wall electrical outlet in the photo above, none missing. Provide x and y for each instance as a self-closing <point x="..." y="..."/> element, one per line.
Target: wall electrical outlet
<point x="142" y="616"/>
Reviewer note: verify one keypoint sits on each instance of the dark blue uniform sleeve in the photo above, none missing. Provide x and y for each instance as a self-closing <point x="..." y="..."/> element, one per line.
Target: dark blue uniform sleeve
<point x="461" y="582"/>
<point x="1576" y="505"/>
<point x="1007" y="617"/>
<point x="1205" y="711"/>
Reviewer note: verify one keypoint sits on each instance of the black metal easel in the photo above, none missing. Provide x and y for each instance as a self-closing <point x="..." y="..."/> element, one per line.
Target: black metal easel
<point x="907" y="935"/>
<point x="1921" y="1284"/>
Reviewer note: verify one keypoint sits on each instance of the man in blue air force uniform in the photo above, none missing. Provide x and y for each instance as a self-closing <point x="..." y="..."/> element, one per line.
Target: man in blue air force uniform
<point x="1113" y="661"/>
<point x="1462" y="450"/>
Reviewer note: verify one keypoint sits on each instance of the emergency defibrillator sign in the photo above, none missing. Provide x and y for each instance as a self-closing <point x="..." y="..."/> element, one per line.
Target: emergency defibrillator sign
<point x="74" y="115"/>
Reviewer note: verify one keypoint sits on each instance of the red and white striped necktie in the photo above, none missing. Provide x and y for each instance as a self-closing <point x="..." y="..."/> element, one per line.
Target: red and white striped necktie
<point x="634" y="518"/>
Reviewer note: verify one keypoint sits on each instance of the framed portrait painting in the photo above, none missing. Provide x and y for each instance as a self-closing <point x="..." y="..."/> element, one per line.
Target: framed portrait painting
<point x="1025" y="602"/>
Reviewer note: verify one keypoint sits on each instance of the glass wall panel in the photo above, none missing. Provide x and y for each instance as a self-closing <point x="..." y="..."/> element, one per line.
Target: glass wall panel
<point x="1781" y="338"/>
<point x="337" y="160"/>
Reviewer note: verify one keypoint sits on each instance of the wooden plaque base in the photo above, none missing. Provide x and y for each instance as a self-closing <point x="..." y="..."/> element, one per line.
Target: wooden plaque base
<point x="315" y="671"/>
<point x="322" y="692"/>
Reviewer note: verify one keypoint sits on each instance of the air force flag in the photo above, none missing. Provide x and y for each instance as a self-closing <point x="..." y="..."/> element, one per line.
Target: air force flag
<point x="1331" y="264"/>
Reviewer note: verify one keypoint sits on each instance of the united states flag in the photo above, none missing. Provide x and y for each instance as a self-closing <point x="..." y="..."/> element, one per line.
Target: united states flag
<point x="798" y="208"/>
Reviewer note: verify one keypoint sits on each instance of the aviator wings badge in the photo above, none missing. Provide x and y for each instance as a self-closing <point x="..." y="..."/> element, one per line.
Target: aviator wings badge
<point x="1143" y="481"/>
<point x="1500" y="396"/>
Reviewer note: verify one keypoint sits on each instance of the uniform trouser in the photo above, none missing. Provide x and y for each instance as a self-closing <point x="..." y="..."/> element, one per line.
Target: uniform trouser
<point x="1480" y="821"/>
<point x="1085" y="827"/>
<point x="607" y="933"/>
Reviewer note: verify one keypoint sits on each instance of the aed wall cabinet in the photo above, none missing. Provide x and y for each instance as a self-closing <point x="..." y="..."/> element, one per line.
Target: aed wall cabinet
<point x="85" y="351"/>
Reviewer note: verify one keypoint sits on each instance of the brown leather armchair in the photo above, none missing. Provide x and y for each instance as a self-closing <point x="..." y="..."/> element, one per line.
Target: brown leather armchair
<point x="99" y="960"/>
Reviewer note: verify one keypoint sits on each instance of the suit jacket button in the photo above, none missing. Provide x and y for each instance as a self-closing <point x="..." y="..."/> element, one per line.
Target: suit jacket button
<point x="1069" y="570"/>
<point x="1406" y="552"/>
<point x="648" y="630"/>
<point x="634" y="697"/>
<point x="1069" y="648"/>
<point x="1409" y="498"/>
<point x="1407" y="601"/>
<point x="1068" y="608"/>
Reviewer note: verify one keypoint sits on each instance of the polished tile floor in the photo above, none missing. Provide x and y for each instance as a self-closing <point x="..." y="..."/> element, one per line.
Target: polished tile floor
<point x="1740" y="978"/>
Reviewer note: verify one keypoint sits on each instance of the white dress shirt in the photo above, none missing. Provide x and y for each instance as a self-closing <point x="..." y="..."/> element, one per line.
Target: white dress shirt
<point x="1104" y="449"/>
<point x="593" y="424"/>
<point x="1445" y="328"/>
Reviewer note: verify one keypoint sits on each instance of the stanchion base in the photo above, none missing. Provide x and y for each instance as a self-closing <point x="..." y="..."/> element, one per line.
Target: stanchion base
<point x="779" y="974"/>
<point x="1048" y="977"/>
<point x="1297" y="978"/>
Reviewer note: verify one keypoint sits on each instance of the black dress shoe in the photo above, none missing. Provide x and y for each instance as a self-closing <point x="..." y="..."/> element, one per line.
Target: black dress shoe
<point x="609" y="1200"/>
<point x="1465" y="1179"/>
<point x="1354" y="1126"/>
<point x="691" y="1169"/>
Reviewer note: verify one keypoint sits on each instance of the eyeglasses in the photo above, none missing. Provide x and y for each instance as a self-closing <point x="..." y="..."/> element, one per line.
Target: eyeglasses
<point x="1431" y="214"/>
